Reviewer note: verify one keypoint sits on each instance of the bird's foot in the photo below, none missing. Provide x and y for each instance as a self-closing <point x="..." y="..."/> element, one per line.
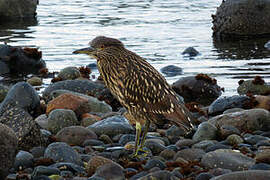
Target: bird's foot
<point x="141" y="153"/>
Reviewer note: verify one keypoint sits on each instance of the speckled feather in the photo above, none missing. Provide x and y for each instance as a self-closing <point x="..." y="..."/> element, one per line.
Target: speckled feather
<point x="138" y="86"/>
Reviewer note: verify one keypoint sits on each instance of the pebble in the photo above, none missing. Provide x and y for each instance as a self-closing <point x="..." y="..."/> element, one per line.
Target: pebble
<point x="35" y="81"/>
<point x="69" y="73"/>
<point x="110" y="171"/>
<point x="263" y="156"/>
<point x="204" y="144"/>
<point x="234" y="139"/>
<point x="205" y="131"/>
<point x="23" y="160"/>
<point x="154" y="146"/>
<point x="45" y="170"/>
<point x="190" y="154"/>
<point x="245" y="175"/>
<point x="249" y="87"/>
<point x="3" y="92"/>
<point x="190" y="51"/>
<point x="260" y="166"/>
<point x="174" y="133"/>
<point x="151" y="163"/>
<point x="171" y="70"/>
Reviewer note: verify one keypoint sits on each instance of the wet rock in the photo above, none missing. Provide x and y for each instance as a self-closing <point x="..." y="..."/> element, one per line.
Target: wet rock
<point x="89" y="119"/>
<point x="23" y="160"/>
<point x="96" y="162"/>
<point x="167" y="154"/>
<point x="232" y="110"/>
<point x="92" y="66"/>
<point x="8" y="148"/>
<point x="93" y="142"/>
<point x="174" y="133"/>
<point x="217" y="146"/>
<point x="201" y="89"/>
<point x="190" y="154"/>
<point x="20" y="61"/>
<point x="38" y="151"/>
<point x="260" y="166"/>
<point x="263" y="156"/>
<point x="219" y="171"/>
<point x="247" y="120"/>
<point x="249" y="86"/>
<point x="245" y="175"/>
<point x="154" y="163"/>
<point x="35" y="81"/>
<point x="74" y="168"/>
<point x="234" y="139"/>
<point x="60" y="118"/>
<point x="154" y="146"/>
<point x="227" y="159"/>
<point x="110" y="171"/>
<point x="223" y="103"/>
<point x="69" y="73"/>
<point x="25" y="128"/>
<point x="204" y="176"/>
<point x="267" y="45"/>
<point x="3" y="92"/>
<point x="204" y="144"/>
<point x="42" y="121"/>
<point x="190" y="51"/>
<point x="81" y="86"/>
<point x="126" y="138"/>
<point x="205" y="131"/>
<point x="241" y="18"/>
<point x="61" y="152"/>
<point x="253" y="139"/>
<point x="112" y="126"/>
<point x="75" y="135"/>
<point x="227" y="130"/>
<point x="21" y="95"/>
<point x="185" y="142"/>
<point x="162" y="174"/>
<point x="171" y="70"/>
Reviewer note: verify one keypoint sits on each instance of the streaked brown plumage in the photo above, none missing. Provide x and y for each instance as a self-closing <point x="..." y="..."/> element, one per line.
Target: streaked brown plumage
<point x="138" y="86"/>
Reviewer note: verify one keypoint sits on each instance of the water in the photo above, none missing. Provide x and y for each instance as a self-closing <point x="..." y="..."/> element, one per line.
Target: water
<point x="155" y="29"/>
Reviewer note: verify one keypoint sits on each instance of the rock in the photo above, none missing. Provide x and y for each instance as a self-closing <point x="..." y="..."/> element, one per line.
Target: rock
<point x="263" y="156"/>
<point x="205" y="131"/>
<point x="154" y="146"/>
<point x="89" y="119"/>
<point x="247" y="120"/>
<point x="267" y="45"/>
<point x="253" y="139"/>
<point x="96" y="162"/>
<point x="260" y="166"/>
<point x="44" y="170"/>
<point x="61" y="152"/>
<point x="25" y="128"/>
<point x="8" y="148"/>
<point x="159" y="175"/>
<point x="76" y="169"/>
<point x="223" y="103"/>
<point x="38" y="151"/>
<point x="241" y="18"/>
<point x="167" y="154"/>
<point x="201" y="89"/>
<point x="92" y="66"/>
<point x="80" y="86"/>
<point x="174" y="133"/>
<point x="184" y="142"/>
<point x="190" y="51"/>
<point x="110" y="171"/>
<point x="171" y="70"/>
<point x="227" y="159"/>
<point x="23" y="160"/>
<point x="245" y="175"/>
<point x="263" y="102"/>
<point x="3" y="92"/>
<point x="204" y="176"/>
<point x="234" y="139"/>
<point x="42" y="121"/>
<point x="217" y="146"/>
<point x="21" y="95"/>
<point x="126" y="138"/>
<point x="190" y="154"/>
<point x="219" y="171"/>
<point x="20" y="61"/>
<point x="249" y="86"/>
<point x="93" y="142"/>
<point x="69" y="73"/>
<point x="204" y="144"/>
<point x="60" y="118"/>
<point x="112" y="126"/>
<point x="75" y="135"/>
<point x="154" y="163"/>
<point x="35" y="81"/>
<point x="232" y="110"/>
<point x="227" y="130"/>
<point x="18" y="9"/>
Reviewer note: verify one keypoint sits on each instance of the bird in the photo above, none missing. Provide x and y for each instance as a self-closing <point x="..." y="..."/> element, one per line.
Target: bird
<point x="138" y="86"/>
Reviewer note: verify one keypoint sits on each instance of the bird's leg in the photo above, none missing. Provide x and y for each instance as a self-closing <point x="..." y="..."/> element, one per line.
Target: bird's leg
<point x="137" y="138"/>
<point x="146" y="127"/>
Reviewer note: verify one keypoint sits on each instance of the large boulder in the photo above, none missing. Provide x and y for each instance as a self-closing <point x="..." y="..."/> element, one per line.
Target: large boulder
<point x="237" y="18"/>
<point x="20" y="61"/>
<point x="18" y="8"/>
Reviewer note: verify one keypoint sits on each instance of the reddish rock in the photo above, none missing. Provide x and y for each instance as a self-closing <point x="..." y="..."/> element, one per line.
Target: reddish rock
<point x="263" y="102"/>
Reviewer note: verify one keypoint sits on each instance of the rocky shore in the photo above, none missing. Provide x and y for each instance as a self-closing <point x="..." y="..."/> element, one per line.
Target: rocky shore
<point x="75" y="129"/>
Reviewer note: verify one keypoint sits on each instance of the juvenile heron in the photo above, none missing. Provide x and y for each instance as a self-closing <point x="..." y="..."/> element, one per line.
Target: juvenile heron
<point x="138" y="86"/>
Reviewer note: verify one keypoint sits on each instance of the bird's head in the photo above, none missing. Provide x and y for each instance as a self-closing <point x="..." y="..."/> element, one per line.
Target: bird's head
<point x="99" y="45"/>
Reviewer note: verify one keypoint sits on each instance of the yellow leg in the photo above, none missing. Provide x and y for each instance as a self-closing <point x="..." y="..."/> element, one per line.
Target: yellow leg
<point x="137" y="138"/>
<point x="146" y="127"/>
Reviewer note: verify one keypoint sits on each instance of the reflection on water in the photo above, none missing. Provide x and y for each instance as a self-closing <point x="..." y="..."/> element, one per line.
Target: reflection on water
<point x="157" y="30"/>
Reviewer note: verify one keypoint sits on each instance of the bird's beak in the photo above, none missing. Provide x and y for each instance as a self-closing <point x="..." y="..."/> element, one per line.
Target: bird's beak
<point x="88" y="50"/>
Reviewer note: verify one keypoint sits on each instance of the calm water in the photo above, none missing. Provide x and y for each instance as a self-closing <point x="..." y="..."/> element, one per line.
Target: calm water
<point x="155" y="29"/>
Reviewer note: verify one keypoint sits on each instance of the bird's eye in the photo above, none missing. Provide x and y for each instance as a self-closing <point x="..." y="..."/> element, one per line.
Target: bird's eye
<point x="102" y="46"/>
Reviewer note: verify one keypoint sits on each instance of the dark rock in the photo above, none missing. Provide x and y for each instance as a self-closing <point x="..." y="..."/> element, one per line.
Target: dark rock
<point x="61" y="152"/>
<point x="112" y="126"/>
<point x="93" y="142"/>
<point x="190" y="51"/>
<point x="66" y="174"/>
<point x="223" y="103"/>
<point x="245" y="175"/>
<point x="154" y="163"/>
<point x="267" y="45"/>
<point x="241" y="18"/>
<point x="69" y="73"/>
<point x="159" y="175"/>
<point x="217" y="146"/>
<point x="253" y="139"/>
<point x="260" y="166"/>
<point x="204" y="176"/>
<point x="110" y="171"/>
<point x="8" y="148"/>
<point x="42" y="121"/>
<point x="234" y="139"/>
<point x="167" y="154"/>
<point x="74" y="168"/>
<point x="154" y="146"/>
<point x="23" y="160"/>
<point x="205" y="131"/>
<point x="139" y="175"/>
<point x="190" y="154"/>
<point x="176" y="173"/>
<point x="263" y="156"/>
<point x="201" y="89"/>
<point x="75" y="135"/>
<point x="44" y="170"/>
<point x="219" y="171"/>
<point x="227" y="130"/>
<point x="249" y="86"/>
<point x="185" y="142"/>
<point x="171" y="70"/>
<point x="126" y="138"/>
<point x="204" y="144"/>
<point x="227" y="159"/>
<point x="20" y="61"/>
<point x="174" y="133"/>
<point x="42" y="177"/>
<point x="92" y="66"/>
<point x="3" y="91"/>
<point x="247" y="120"/>
<point x="38" y="151"/>
<point x="60" y="118"/>
<point x="232" y="110"/>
